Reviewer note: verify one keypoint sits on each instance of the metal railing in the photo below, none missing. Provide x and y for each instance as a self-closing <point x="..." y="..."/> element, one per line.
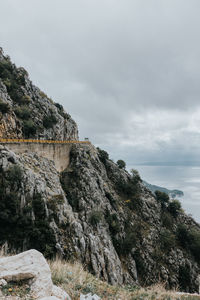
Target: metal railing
<point x="2" y="140"/>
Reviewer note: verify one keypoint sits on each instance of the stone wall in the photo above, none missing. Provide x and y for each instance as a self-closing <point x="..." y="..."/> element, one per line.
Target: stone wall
<point x="59" y="153"/>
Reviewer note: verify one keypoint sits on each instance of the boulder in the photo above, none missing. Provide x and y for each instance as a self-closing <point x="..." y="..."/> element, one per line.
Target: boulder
<point x="31" y="265"/>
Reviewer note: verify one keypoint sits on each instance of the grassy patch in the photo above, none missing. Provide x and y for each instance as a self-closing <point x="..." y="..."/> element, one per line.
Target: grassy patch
<point x="19" y="289"/>
<point x="74" y="280"/>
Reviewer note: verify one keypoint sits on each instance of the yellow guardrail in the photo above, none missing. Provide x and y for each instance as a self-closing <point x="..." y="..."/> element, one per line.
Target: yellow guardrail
<point x="41" y="141"/>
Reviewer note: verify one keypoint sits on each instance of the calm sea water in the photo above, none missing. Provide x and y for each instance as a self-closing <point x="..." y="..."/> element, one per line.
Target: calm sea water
<point x="184" y="178"/>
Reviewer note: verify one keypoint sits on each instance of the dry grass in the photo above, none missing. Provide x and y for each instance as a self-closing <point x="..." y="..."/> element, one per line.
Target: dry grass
<point x="73" y="279"/>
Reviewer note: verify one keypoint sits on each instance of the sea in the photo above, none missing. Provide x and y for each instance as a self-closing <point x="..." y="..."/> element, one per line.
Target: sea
<point x="182" y="177"/>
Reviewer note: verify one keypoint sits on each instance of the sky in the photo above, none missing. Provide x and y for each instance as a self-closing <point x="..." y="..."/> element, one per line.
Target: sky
<point x="127" y="71"/>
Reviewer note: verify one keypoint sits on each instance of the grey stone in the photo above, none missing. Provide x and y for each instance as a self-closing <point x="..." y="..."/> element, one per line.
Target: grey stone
<point x="89" y="297"/>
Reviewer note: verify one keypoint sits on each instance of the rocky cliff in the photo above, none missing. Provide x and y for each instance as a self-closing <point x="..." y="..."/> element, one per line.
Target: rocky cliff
<point x="94" y="212"/>
<point x="99" y="214"/>
<point x="26" y="111"/>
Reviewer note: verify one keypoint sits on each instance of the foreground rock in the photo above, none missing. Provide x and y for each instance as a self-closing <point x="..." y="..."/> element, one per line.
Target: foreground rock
<point x="31" y="265"/>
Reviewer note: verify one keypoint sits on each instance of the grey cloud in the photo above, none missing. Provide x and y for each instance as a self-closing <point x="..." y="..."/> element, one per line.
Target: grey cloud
<point x="112" y="64"/>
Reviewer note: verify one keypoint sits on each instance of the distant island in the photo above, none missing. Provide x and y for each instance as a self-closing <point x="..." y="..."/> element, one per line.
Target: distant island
<point x="172" y="193"/>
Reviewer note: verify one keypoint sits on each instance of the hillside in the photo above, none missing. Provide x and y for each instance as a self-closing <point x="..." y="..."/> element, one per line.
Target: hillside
<point x="93" y="212"/>
<point x="28" y="112"/>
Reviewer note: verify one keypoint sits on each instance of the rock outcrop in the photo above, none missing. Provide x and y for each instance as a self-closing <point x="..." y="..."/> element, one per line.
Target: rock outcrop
<point x="96" y="213"/>
<point x="31" y="266"/>
<point x="25" y="111"/>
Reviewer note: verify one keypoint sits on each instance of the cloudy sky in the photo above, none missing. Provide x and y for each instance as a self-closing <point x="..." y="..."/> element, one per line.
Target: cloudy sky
<point x="126" y="70"/>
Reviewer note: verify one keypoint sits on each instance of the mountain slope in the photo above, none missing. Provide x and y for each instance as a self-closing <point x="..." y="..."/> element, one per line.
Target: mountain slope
<point x="25" y="111"/>
<point x="94" y="211"/>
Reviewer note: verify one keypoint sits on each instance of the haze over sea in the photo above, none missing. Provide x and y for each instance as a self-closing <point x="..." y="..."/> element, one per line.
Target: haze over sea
<point x="184" y="176"/>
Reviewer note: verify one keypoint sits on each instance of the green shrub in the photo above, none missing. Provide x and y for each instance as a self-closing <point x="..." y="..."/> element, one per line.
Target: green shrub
<point x="55" y="201"/>
<point x="14" y="174"/>
<point x="43" y="95"/>
<point x="123" y="246"/>
<point x="4" y="107"/>
<point x="14" y="79"/>
<point x="67" y="180"/>
<point x="185" y="278"/>
<point x="49" y="121"/>
<point x="61" y="110"/>
<point x="23" y="112"/>
<point x="194" y="237"/>
<point x="136" y="174"/>
<point x="59" y="199"/>
<point x="163" y="198"/>
<point x="110" y="198"/>
<point x="129" y="242"/>
<point x="59" y="106"/>
<point x="113" y="222"/>
<point x="95" y="217"/>
<point x="29" y="128"/>
<point x="167" y="239"/>
<point x="26" y="99"/>
<point x="183" y="236"/>
<point x="167" y="220"/>
<point x="103" y="155"/>
<point x="139" y="263"/>
<point x="42" y="238"/>
<point x="16" y="224"/>
<point x="131" y="190"/>
<point x="174" y="207"/>
<point x="38" y="206"/>
<point x="121" y="164"/>
<point x="189" y="239"/>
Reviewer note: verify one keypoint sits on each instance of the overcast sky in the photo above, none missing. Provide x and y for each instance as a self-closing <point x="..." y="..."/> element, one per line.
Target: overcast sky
<point x="126" y="70"/>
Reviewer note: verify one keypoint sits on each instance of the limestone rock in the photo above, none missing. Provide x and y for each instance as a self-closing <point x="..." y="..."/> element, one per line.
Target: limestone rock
<point x="3" y="282"/>
<point x="60" y="293"/>
<point x="89" y="297"/>
<point x="31" y="265"/>
<point x="28" y="265"/>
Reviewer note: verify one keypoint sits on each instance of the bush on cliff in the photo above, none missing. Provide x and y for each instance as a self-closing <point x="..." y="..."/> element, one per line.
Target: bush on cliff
<point x="4" y="107"/>
<point x="29" y="128"/>
<point x="162" y="198"/>
<point x="174" y="208"/>
<point x="13" y="79"/>
<point x="167" y="239"/>
<point x="189" y="239"/>
<point x="131" y="191"/>
<point x="17" y="226"/>
<point x="121" y="164"/>
<point x="103" y="155"/>
<point x="23" y="112"/>
<point x="14" y="174"/>
<point x="95" y="217"/>
<point x="49" y="121"/>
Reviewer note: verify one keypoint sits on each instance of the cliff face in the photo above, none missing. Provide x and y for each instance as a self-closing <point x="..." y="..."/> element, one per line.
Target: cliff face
<point x="94" y="211"/>
<point x="25" y="111"/>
